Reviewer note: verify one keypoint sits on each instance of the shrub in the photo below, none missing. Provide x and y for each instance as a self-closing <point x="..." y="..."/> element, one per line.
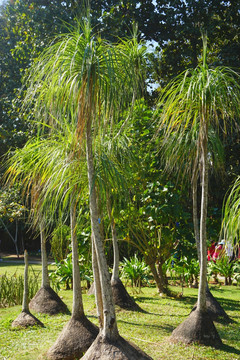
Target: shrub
<point x="224" y="268"/>
<point x="12" y="289"/>
<point x="185" y="268"/>
<point x="136" y="271"/>
<point x="64" y="272"/>
<point x="236" y="270"/>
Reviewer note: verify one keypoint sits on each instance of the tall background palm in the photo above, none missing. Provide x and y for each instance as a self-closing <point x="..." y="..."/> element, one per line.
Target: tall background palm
<point x="200" y="97"/>
<point x="88" y="81"/>
<point x="180" y="154"/>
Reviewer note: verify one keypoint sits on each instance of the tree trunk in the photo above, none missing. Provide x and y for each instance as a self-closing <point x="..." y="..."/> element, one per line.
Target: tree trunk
<point x="13" y="239"/>
<point x="115" y="273"/>
<point x="195" y="207"/>
<point x="16" y="238"/>
<point x="45" y="277"/>
<point x="203" y="220"/>
<point x="77" y="310"/>
<point x="25" y="307"/>
<point x="162" y="276"/>
<point x="97" y="285"/>
<point x="46" y="300"/>
<point x="109" y="328"/>
<point x="157" y="279"/>
<point x="79" y="333"/>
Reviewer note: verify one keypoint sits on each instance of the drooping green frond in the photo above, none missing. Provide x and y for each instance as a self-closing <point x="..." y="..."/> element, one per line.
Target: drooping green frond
<point x="231" y="214"/>
<point x="180" y="152"/>
<point x="78" y="77"/>
<point x="48" y="168"/>
<point x="210" y="93"/>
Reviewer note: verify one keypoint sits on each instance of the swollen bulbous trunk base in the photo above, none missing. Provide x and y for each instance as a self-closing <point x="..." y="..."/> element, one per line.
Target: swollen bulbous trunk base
<point x="26" y="319"/>
<point x="122" y="298"/>
<point x="47" y="301"/>
<point x="197" y="328"/>
<point x="76" y="337"/>
<point x="105" y="349"/>
<point x="214" y="309"/>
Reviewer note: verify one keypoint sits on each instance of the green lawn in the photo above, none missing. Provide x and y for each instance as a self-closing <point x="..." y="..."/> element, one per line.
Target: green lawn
<point x="150" y="330"/>
<point x="12" y="267"/>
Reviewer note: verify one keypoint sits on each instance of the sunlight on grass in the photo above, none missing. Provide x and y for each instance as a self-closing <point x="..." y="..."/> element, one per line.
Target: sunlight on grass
<point x="150" y="330"/>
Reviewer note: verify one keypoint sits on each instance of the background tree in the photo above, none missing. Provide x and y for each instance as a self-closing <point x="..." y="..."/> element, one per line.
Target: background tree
<point x="12" y="212"/>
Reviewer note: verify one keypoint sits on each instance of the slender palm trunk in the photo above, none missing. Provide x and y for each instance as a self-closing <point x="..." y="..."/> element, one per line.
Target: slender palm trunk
<point x="203" y="221"/>
<point x="25" y="307"/>
<point x="45" y="277"/>
<point x="195" y="213"/>
<point x="195" y="207"/>
<point x="109" y="328"/>
<point x="16" y="238"/>
<point x="115" y="273"/>
<point x="97" y="285"/>
<point x="77" y="310"/>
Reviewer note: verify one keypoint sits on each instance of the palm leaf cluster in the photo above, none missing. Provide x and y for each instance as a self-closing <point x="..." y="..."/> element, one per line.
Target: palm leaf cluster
<point x="231" y="214"/>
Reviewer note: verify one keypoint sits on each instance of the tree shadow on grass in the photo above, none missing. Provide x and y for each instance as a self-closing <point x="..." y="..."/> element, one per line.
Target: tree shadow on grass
<point x="147" y="298"/>
<point x="232" y="305"/>
<point x="186" y="299"/>
<point x="229" y="350"/>
<point x="166" y="327"/>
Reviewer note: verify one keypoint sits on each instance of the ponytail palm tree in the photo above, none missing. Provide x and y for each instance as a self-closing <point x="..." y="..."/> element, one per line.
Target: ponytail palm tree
<point x="181" y="155"/>
<point x="84" y="80"/>
<point x="52" y="161"/>
<point x="112" y="167"/>
<point x="26" y="166"/>
<point x="25" y="318"/>
<point x="200" y="98"/>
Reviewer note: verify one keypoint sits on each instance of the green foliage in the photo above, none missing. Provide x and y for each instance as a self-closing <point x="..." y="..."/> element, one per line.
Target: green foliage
<point x="11" y="207"/>
<point x="63" y="275"/>
<point x="156" y="213"/>
<point x="179" y="35"/>
<point x="231" y="213"/>
<point x="136" y="271"/>
<point x="236" y="272"/>
<point x="12" y="288"/>
<point x="12" y="211"/>
<point x="223" y="267"/>
<point x="60" y="242"/>
<point x="186" y="269"/>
